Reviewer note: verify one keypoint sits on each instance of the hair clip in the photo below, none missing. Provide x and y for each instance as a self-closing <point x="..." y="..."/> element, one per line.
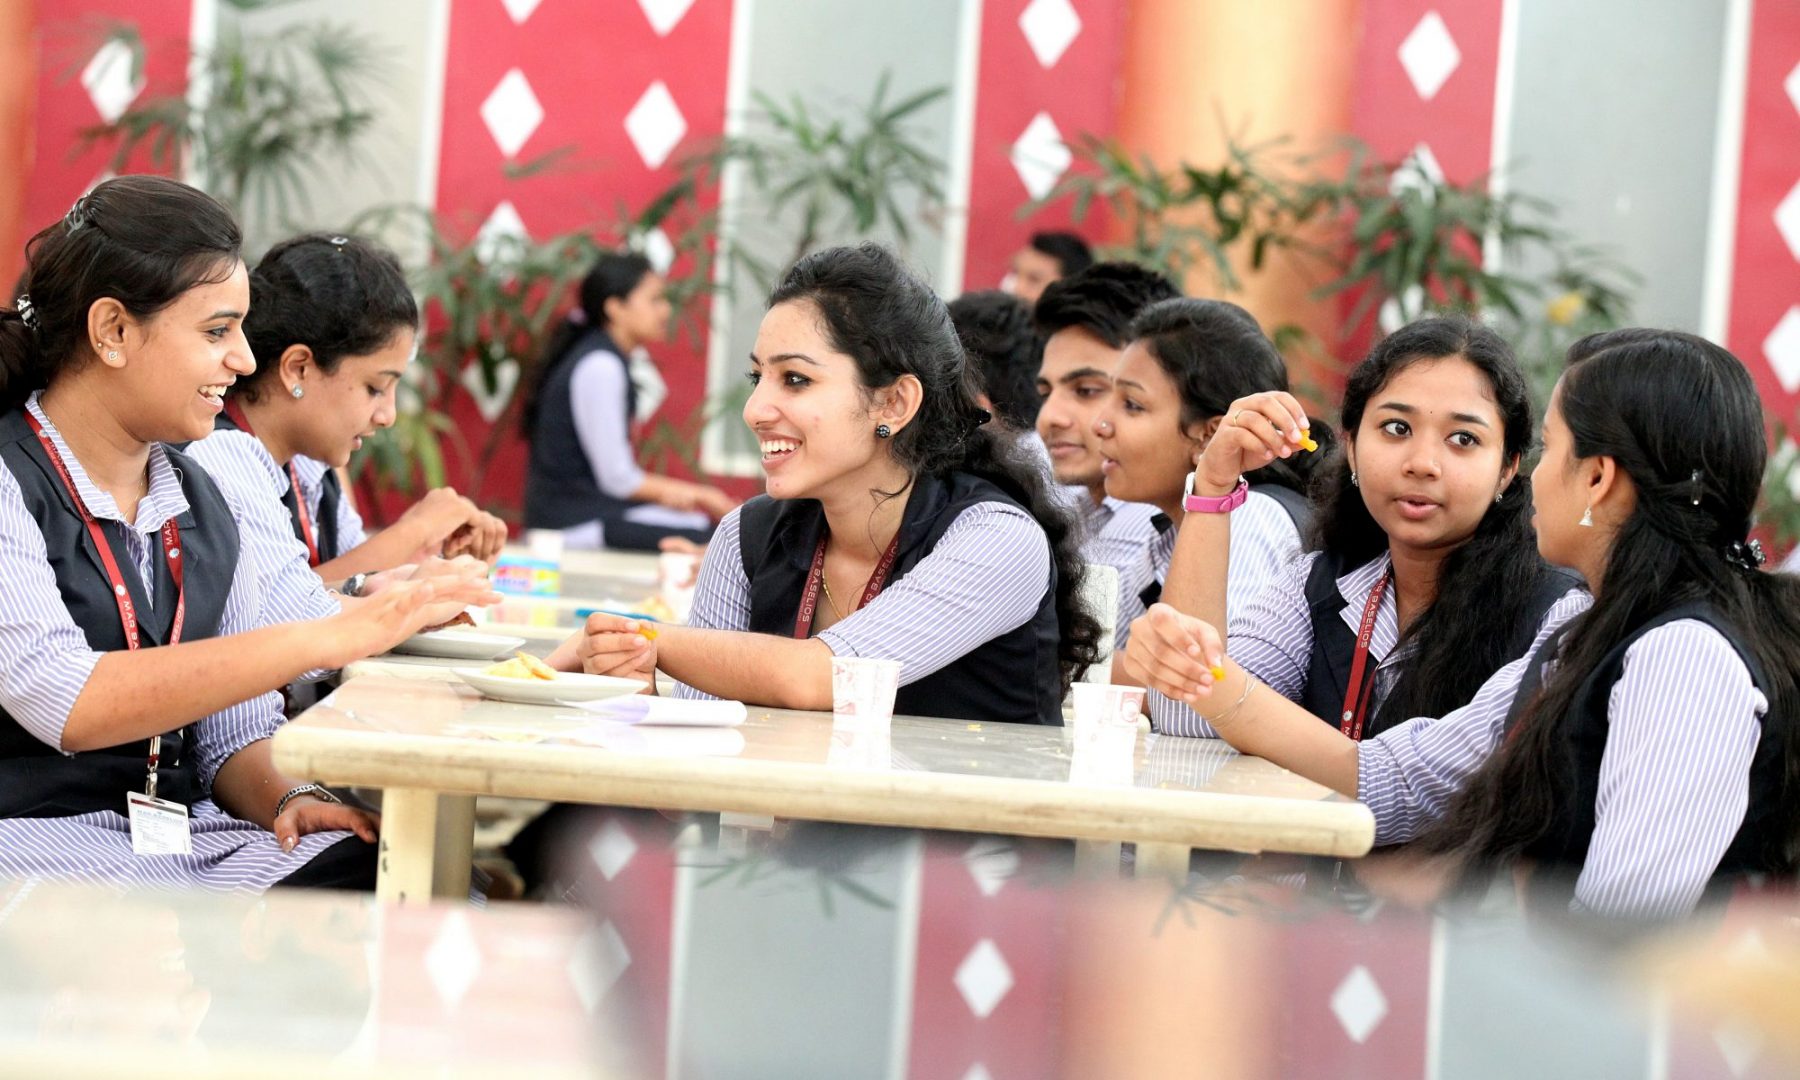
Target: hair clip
<point x="77" y="215"/>
<point x="337" y="241"/>
<point x="27" y="312"/>
<point x="1695" y="480"/>
<point x="1745" y="554"/>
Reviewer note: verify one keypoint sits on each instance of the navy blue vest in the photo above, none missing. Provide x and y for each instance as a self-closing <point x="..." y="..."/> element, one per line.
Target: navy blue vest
<point x="36" y="780"/>
<point x="561" y="490"/>
<point x="1015" y="677"/>
<point x="1334" y="643"/>
<point x="1758" y="847"/>
<point x="331" y="493"/>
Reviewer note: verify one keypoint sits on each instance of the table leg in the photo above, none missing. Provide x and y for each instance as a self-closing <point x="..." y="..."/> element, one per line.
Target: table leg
<point x="1097" y="859"/>
<point x="1167" y="861"/>
<point x="427" y="842"/>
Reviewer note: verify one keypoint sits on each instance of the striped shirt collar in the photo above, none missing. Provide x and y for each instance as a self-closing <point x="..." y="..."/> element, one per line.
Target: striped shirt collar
<point x="163" y="501"/>
<point x="1355" y="587"/>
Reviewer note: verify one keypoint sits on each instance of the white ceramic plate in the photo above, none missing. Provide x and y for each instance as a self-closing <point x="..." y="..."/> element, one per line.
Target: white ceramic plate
<point x="567" y="686"/>
<point x="460" y="645"/>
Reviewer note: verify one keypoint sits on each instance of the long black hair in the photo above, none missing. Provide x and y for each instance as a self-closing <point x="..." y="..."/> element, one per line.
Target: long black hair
<point x="1485" y="588"/>
<point x="996" y="330"/>
<point x="1215" y="353"/>
<point x="879" y="314"/>
<point x="1664" y="406"/>
<point x="140" y="240"/>
<point x="337" y="295"/>
<point x="614" y="276"/>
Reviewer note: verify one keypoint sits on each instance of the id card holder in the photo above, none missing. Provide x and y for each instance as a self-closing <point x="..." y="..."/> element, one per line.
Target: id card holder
<point x="158" y="826"/>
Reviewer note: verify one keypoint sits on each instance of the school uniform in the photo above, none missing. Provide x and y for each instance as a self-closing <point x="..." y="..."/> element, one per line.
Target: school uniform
<point x="1299" y="636"/>
<point x="968" y="607"/>
<point x="62" y="814"/>
<point x="319" y="515"/>
<point x="582" y="469"/>
<point x="1265" y="538"/>
<point x="1676" y="776"/>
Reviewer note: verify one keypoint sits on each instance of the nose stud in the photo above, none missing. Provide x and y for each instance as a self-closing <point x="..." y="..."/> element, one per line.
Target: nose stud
<point x="1104" y="427"/>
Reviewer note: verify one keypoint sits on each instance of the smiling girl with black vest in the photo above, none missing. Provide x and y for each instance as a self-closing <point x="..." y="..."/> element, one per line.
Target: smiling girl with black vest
<point x="1422" y="578"/>
<point x="138" y="651"/>
<point x="333" y="327"/>
<point x="896" y="524"/>
<point x="583" y="477"/>
<point x="1645" y="748"/>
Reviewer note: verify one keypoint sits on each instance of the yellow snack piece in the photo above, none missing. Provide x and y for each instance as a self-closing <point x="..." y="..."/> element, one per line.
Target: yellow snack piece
<point x="522" y="666"/>
<point x="1307" y="444"/>
<point x="1218" y="672"/>
<point x="657" y="608"/>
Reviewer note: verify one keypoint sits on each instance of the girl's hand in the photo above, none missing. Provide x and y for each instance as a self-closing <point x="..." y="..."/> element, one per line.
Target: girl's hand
<point x="612" y="645"/>
<point x="715" y="502"/>
<point x="1253" y="432"/>
<point x="1174" y="654"/>
<point x="307" y="814"/>
<point x="481" y="536"/>
<point x="432" y="520"/>
<point x="401" y="610"/>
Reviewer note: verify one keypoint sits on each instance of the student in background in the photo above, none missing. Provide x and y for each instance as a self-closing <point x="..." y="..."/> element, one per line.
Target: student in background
<point x="139" y="651"/>
<point x="1643" y="752"/>
<point x="583" y="476"/>
<point x="1046" y="257"/>
<point x="995" y="329"/>
<point x="333" y="326"/>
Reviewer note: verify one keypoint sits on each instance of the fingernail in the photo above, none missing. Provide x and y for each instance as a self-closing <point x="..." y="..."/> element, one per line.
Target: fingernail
<point x="288" y="844"/>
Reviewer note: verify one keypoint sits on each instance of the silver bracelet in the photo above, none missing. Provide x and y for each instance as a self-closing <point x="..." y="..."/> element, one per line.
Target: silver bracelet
<point x="1250" y="684"/>
<point x="315" y="790"/>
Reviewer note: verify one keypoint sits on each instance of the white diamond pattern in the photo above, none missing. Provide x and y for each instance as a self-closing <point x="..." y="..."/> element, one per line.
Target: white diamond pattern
<point x="612" y="849"/>
<point x="1359" y="1004"/>
<point x="491" y="401"/>
<point x="978" y="1071"/>
<point x="655" y="125"/>
<point x="1040" y="156"/>
<point x="520" y="10"/>
<point x="1787" y="219"/>
<point x="1429" y="55"/>
<point x="1792" y="84"/>
<point x="991" y="863"/>
<point x="453" y="960"/>
<point x="658" y="249"/>
<point x="1050" y="27"/>
<point x="983" y="978"/>
<point x="599" y="959"/>
<point x="512" y="112"/>
<point x="108" y="82"/>
<point x="1782" y="347"/>
<point x="498" y="238"/>
<point x="1419" y="172"/>
<point x="664" y="14"/>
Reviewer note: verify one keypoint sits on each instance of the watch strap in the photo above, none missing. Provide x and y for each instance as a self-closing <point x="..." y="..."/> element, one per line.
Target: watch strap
<point x="1215" y="504"/>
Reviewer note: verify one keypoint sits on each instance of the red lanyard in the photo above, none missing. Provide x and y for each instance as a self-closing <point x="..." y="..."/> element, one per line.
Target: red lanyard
<point x="171" y="541"/>
<point x="815" y="578"/>
<point x="1362" y="680"/>
<point x="305" y="518"/>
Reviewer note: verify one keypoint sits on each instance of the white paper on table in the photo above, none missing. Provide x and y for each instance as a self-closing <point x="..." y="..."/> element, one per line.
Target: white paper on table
<point x="667" y="712"/>
<point x="657" y="741"/>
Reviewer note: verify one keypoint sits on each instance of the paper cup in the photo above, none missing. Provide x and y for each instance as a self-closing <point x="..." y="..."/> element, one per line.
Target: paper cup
<point x="676" y="575"/>
<point x="1105" y="705"/>
<point x="863" y="690"/>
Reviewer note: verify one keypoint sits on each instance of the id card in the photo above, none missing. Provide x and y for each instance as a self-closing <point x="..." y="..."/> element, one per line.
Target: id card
<point x="158" y="826"/>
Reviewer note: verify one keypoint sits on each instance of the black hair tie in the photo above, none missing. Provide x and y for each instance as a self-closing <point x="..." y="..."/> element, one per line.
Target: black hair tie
<point x="1746" y="555"/>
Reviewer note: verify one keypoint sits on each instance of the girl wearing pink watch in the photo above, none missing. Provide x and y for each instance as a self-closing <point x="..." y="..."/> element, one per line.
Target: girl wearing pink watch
<point x="1187" y="361"/>
<point x="1421" y="576"/>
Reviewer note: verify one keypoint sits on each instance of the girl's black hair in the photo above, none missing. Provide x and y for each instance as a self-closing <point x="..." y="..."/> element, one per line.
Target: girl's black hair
<point x="1215" y="353"/>
<point x="614" y="276"/>
<point x="878" y="313"/>
<point x="1663" y="405"/>
<point x="996" y="330"/>
<point x="1485" y="587"/>
<point x="140" y="240"/>
<point x="337" y="295"/>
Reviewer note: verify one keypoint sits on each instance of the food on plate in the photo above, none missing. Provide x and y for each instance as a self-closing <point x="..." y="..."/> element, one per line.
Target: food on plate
<point x="657" y="608"/>
<point x="523" y="666"/>
<point x="462" y="619"/>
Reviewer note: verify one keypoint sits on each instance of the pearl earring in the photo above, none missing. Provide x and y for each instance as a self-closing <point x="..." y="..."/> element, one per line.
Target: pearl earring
<point x="1587" y="518"/>
<point x="298" y="393"/>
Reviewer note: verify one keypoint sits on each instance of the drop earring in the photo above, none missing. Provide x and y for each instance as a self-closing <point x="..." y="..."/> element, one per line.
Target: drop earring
<point x="1500" y="496"/>
<point x="298" y="393"/>
<point x="1353" y="482"/>
<point x="1587" y="518"/>
<point x="882" y="431"/>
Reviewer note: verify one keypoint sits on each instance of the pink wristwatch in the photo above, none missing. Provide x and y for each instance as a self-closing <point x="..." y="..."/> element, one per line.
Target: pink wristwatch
<point x="1214" y="504"/>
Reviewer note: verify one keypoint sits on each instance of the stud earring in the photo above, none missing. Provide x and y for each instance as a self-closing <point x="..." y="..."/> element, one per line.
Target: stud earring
<point x="298" y="393"/>
<point x="112" y="354"/>
<point x="882" y="431"/>
<point x="1587" y="518"/>
<point x="1500" y="496"/>
<point x="1353" y="482"/>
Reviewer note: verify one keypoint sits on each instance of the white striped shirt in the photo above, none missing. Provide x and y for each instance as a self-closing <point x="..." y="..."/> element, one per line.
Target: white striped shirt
<point x="1264" y="543"/>
<point x="985" y="577"/>
<point x="45" y="662"/>
<point x="1683" y="723"/>
<point x="240" y="463"/>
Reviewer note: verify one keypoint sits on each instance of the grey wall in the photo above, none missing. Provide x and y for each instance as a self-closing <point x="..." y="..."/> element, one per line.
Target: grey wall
<point x="1616" y="104"/>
